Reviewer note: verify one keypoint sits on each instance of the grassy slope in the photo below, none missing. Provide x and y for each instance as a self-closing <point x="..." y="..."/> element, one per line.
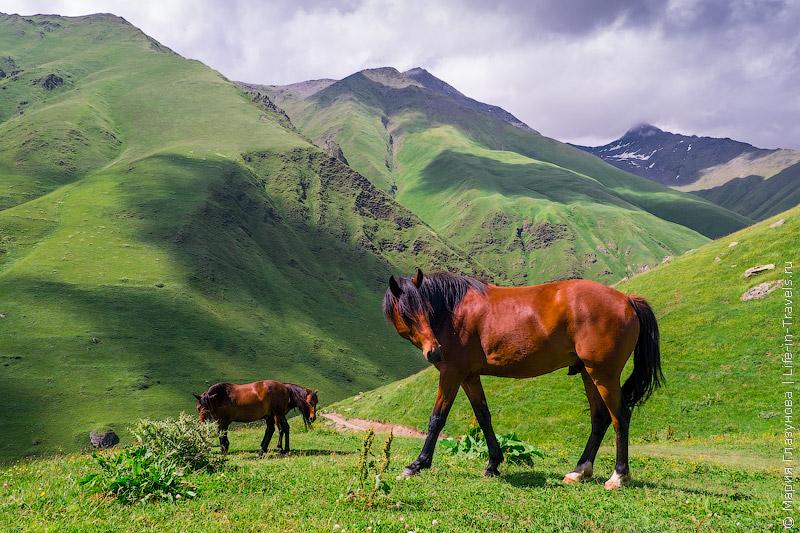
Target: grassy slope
<point x="187" y="238"/>
<point x="757" y="197"/>
<point x="488" y="185"/>
<point x="300" y="492"/>
<point x="719" y="354"/>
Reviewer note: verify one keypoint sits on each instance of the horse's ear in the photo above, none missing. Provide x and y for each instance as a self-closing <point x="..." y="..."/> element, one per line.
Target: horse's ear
<point x="418" y="278"/>
<point x="394" y="287"/>
<point x="196" y="396"/>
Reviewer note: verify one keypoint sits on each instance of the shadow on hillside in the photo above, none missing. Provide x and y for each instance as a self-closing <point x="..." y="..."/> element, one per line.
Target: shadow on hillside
<point x="528" y="479"/>
<point x="454" y="170"/>
<point x="534" y="479"/>
<point x="272" y="454"/>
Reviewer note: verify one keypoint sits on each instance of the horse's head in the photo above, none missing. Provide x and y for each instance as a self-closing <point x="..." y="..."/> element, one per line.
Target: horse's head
<point x="311" y="400"/>
<point x="409" y="311"/>
<point x="201" y="403"/>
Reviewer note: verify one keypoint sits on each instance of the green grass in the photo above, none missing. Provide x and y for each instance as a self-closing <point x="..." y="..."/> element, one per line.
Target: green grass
<point x="160" y="232"/>
<point x="302" y="492"/>
<point x="487" y="186"/>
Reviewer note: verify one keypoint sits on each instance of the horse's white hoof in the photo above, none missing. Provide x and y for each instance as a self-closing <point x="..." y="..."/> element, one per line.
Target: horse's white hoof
<point x="617" y="481"/>
<point x="577" y="477"/>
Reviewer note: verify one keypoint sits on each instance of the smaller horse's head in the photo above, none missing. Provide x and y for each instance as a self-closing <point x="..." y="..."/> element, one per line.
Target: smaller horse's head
<point x="409" y="312"/>
<point x="311" y="400"/>
<point x="201" y="404"/>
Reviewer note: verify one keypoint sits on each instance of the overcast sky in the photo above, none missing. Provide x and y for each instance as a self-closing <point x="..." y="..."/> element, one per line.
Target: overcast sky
<point x="578" y="70"/>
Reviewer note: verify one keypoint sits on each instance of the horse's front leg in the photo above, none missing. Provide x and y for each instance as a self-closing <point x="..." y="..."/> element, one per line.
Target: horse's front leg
<point x="224" y="443"/>
<point x="474" y="391"/>
<point x="448" y="387"/>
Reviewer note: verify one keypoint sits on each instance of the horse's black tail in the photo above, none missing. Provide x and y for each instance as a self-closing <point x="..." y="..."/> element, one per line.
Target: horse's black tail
<point x="646" y="376"/>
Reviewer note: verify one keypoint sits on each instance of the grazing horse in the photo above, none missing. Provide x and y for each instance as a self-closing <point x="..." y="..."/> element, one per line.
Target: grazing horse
<point x="467" y="328"/>
<point x="267" y="400"/>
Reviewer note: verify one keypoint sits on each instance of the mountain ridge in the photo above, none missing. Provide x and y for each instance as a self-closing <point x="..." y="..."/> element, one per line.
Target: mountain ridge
<point x="689" y="162"/>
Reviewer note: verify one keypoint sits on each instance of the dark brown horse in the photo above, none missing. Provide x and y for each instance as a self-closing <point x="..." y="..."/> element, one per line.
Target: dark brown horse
<point x="267" y="400"/>
<point x="467" y="328"/>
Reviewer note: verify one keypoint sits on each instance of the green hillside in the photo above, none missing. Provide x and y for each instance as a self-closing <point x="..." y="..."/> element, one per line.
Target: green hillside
<point x="757" y="197"/>
<point x="161" y="231"/>
<point x="527" y="207"/>
<point x="721" y="359"/>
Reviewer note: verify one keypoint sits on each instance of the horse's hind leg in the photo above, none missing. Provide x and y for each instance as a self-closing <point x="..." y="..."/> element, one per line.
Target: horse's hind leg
<point x="284" y="429"/>
<point x="600" y="422"/>
<point x="608" y="386"/>
<point x="267" y="435"/>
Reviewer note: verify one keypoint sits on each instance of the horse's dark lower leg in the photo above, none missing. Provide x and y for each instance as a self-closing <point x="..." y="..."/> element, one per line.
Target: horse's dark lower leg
<point x="267" y="436"/>
<point x="474" y="391"/>
<point x="600" y="422"/>
<point x="224" y="443"/>
<point x="284" y="425"/>
<point x="624" y="418"/>
<point x="448" y="387"/>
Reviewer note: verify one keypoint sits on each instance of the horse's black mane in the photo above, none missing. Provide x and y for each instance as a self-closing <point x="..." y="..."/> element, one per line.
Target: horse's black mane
<point x="217" y="392"/>
<point x="297" y="398"/>
<point x="437" y="297"/>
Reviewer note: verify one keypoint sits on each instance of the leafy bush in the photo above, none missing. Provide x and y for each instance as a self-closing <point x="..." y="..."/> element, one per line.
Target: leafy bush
<point x="370" y="480"/>
<point x="135" y="475"/>
<point x="184" y="441"/>
<point x="473" y="446"/>
<point x="154" y="468"/>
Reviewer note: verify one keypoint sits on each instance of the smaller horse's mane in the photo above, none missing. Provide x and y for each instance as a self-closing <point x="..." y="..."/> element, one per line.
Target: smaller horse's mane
<point x="297" y="398"/>
<point x="219" y="392"/>
<point x="438" y="296"/>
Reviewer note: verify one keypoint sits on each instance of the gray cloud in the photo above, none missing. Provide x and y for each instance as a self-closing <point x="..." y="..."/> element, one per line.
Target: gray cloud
<point x="578" y="70"/>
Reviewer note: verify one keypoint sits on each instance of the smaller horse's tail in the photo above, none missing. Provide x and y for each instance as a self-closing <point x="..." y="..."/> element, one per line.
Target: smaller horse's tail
<point x="646" y="376"/>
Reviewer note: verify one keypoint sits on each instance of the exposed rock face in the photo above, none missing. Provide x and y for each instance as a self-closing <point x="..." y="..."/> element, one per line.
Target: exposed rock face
<point x="670" y="158"/>
<point x="542" y="235"/>
<point x="758" y="269"/>
<point x="333" y="149"/>
<point x="762" y="290"/>
<point x="103" y="439"/>
<point x="50" y="82"/>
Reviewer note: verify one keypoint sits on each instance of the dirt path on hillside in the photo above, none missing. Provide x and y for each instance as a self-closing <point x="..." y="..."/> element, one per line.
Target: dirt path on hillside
<point x="359" y="424"/>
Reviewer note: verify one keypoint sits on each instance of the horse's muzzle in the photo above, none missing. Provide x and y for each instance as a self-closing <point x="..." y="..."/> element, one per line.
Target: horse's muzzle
<point x="434" y="356"/>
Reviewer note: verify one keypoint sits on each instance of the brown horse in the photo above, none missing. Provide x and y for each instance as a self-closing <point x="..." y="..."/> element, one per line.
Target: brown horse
<point x="467" y="328"/>
<point x="267" y="400"/>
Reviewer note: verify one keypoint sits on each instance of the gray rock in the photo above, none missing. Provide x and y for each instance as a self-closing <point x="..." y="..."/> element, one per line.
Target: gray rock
<point x="761" y="290"/>
<point x="103" y="439"/>
<point x="777" y="223"/>
<point x="758" y="269"/>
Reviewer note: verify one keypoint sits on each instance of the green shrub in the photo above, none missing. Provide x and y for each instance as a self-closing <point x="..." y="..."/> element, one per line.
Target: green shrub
<point x="184" y="441"/>
<point x="473" y="445"/>
<point x="135" y="475"/>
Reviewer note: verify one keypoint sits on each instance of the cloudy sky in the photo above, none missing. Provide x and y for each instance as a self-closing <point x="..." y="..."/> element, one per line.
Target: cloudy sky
<point x="578" y="70"/>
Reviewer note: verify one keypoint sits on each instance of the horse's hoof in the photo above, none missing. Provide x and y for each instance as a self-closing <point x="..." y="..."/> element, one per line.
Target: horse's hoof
<point x="617" y="481"/>
<point x="410" y="471"/>
<point x="577" y="477"/>
<point x="491" y="471"/>
<point x="260" y="454"/>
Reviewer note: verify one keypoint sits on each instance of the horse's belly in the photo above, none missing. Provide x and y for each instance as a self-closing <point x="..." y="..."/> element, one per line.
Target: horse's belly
<point x="526" y="365"/>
